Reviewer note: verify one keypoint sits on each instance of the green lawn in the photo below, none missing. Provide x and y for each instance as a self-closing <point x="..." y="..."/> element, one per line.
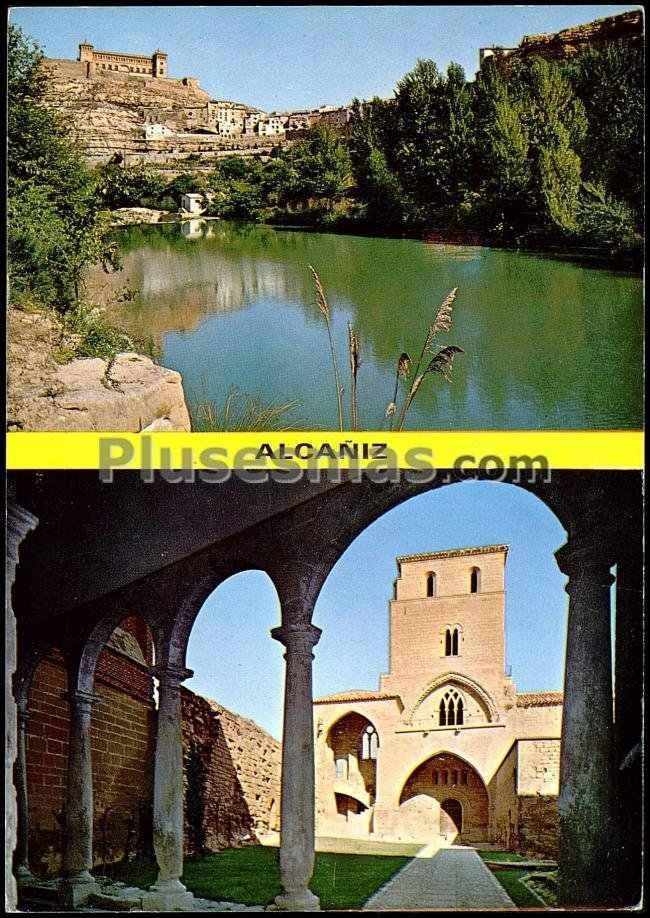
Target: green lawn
<point x="252" y="876"/>
<point x="510" y="879"/>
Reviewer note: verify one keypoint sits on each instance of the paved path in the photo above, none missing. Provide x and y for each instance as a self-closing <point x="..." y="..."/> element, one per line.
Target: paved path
<point x="454" y="878"/>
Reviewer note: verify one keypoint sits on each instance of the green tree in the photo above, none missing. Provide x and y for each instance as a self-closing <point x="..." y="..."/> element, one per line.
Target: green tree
<point x="320" y="168"/>
<point x="56" y="226"/>
<point x="610" y="83"/>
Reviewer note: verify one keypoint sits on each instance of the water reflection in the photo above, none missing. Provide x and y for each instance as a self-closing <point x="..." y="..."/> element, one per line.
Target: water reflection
<point x="548" y="343"/>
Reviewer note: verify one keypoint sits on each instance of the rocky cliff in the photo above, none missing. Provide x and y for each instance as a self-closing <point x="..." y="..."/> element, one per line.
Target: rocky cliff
<point x="106" y="114"/>
<point x="129" y="393"/>
<point x="570" y="41"/>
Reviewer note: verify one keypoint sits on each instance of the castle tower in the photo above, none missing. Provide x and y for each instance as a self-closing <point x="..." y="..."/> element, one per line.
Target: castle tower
<point x="86" y="51"/>
<point x="448" y="616"/>
<point x="159" y="64"/>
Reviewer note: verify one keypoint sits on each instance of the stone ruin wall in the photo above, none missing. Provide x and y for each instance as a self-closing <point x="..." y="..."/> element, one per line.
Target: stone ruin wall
<point x="232" y="777"/>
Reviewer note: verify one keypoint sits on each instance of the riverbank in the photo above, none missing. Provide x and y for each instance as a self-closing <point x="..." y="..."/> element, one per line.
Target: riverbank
<point x="629" y="259"/>
<point x="47" y="391"/>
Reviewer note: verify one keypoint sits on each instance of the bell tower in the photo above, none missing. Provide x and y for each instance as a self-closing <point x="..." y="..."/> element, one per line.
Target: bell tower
<point x="448" y="616"/>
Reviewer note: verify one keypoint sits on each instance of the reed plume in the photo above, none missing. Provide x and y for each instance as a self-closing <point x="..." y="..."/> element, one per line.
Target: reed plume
<point x="353" y="351"/>
<point x="443" y="360"/>
<point x="324" y="308"/>
<point x="401" y="372"/>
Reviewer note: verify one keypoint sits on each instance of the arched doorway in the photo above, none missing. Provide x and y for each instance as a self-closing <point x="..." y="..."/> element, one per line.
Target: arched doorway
<point x="445" y="797"/>
<point x="451" y="817"/>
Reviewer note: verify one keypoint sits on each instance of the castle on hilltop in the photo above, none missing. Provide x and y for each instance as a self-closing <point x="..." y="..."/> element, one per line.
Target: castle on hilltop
<point x="447" y="748"/>
<point x="119" y="62"/>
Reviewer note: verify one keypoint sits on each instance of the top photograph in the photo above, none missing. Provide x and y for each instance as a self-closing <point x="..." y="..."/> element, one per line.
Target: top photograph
<point x="376" y="218"/>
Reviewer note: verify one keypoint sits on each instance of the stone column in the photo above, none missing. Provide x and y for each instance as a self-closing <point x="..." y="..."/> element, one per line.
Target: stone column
<point x="21" y="860"/>
<point x="78" y="883"/>
<point x="586" y="786"/>
<point x="628" y="718"/>
<point x="297" y="820"/>
<point x="19" y="523"/>
<point x="168" y="893"/>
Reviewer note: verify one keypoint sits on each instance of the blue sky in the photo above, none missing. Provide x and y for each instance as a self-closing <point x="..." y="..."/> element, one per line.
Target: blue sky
<point x="282" y="57"/>
<point x="238" y="664"/>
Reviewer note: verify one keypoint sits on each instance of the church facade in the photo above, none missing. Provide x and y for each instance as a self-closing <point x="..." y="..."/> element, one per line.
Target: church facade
<point x="446" y="750"/>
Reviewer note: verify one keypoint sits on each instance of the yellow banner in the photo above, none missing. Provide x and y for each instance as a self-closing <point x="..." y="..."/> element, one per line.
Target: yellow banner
<point x="463" y="450"/>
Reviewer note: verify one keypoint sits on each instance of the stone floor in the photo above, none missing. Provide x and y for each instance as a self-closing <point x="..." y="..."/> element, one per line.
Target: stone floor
<point x="454" y="878"/>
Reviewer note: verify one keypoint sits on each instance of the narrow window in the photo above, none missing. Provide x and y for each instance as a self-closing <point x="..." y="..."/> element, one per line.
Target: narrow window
<point x="435" y="776"/>
<point x="445" y="777"/>
<point x="454" y="777"/>
<point x="451" y="713"/>
<point x="475" y="580"/>
<point x="342" y="768"/>
<point x="463" y="778"/>
<point x="454" y="643"/>
<point x="442" y="719"/>
<point x="448" y="643"/>
<point x="369" y="743"/>
<point x="459" y="711"/>
<point x="431" y="584"/>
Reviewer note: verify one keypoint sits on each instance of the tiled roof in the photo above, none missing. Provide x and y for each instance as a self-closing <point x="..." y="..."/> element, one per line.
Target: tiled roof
<point x="454" y="553"/>
<point x="355" y="695"/>
<point x="538" y="699"/>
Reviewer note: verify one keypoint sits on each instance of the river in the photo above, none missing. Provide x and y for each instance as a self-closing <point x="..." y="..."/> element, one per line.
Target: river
<point x="548" y="343"/>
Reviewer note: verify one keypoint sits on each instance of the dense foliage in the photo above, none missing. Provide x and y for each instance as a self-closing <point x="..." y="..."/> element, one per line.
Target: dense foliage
<point x="56" y="226"/>
<point x="533" y="152"/>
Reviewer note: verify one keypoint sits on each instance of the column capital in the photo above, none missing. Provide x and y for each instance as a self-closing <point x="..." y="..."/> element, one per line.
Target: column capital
<point x="297" y="638"/>
<point x="171" y="674"/>
<point x="81" y="699"/>
<point x="586" y="560"/>
<point x="19" y="523"/>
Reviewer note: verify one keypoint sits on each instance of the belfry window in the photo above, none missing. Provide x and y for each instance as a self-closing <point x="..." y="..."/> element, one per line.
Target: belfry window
<point x="431" y="584"/>
<point x="451" y="711"/>
<point x="452" y="642"/>
<point x="475" y="580"/>
<point x="369" y="743"/>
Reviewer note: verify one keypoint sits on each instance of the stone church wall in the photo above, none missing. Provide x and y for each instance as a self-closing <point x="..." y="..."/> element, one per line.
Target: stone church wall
<point x="232" y="777"/>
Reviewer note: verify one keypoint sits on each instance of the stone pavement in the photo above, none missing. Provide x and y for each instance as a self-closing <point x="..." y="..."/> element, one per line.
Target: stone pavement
<point x="454" y="878"/>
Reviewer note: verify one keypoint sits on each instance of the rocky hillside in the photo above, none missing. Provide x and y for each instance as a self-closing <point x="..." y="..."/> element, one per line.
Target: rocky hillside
<point x="107" y="112"/>
<point x="593" y="34"/>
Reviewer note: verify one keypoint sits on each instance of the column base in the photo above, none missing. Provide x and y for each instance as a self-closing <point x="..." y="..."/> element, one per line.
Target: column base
<point x="302" y="900"/>
<point x="77" y="890"/>
<point x="167" y="896"/>
<point x="24" y="876"/>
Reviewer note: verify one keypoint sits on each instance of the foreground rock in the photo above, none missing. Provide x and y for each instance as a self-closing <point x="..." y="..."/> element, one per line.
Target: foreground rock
<point x="128" y="393"/>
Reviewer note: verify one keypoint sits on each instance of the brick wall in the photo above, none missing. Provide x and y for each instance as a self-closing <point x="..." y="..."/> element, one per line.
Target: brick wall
<point x="122" y="743"/>
<point x="232" y="777"/>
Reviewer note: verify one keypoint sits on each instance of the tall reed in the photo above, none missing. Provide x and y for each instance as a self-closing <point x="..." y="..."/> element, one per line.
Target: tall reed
<point x="323" y="306"/>
<point x="441" y="362"/>
<point x="353" y="351"/>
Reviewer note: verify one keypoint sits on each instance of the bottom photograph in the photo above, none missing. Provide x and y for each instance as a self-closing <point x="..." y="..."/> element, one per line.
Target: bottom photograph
<point x="336" y="694"/>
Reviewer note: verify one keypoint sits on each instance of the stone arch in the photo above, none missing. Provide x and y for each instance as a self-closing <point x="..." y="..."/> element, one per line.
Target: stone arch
<point x="465" y="682"/>
<point x="176" y="635"/>
<point x="448" y="795"/>
<point x="411" y="769"/>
